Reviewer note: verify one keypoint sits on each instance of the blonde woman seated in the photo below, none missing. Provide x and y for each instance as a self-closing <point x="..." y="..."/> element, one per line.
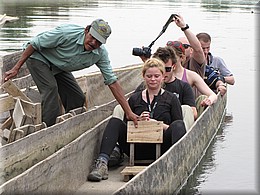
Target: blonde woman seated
<point x="181" y="89"/>
<point x="152" y="103"/>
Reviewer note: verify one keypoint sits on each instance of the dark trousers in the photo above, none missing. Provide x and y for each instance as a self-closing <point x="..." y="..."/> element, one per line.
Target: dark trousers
<point x="53" y="86"/>
<point x="116" y="131"/>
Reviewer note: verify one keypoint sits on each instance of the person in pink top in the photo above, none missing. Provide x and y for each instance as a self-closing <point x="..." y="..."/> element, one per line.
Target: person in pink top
<point x="194" y="56"/>
<point x="195" y="59"/>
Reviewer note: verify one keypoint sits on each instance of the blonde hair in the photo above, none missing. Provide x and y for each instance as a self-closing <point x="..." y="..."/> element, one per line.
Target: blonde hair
<point x="153" y="62"/>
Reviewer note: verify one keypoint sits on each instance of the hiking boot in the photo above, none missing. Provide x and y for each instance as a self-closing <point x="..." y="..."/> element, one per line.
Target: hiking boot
<point x="116" y="157"/>
<point x="99" y="172"/>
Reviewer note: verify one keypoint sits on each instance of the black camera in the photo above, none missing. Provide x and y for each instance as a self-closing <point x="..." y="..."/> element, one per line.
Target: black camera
<point x="145" y="51"/>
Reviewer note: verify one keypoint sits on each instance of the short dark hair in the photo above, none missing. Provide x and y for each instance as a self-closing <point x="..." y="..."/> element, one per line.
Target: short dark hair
<point x="205" y="37"/>
<point x="165" y="54"/>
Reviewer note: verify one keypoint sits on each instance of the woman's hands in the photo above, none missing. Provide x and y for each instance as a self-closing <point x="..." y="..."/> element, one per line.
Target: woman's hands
<point x="145" y="116"/>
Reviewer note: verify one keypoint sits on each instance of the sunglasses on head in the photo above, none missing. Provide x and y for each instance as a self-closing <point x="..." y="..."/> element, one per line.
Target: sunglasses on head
<point x="178" y="45"/>
<point x="168" y="69"/>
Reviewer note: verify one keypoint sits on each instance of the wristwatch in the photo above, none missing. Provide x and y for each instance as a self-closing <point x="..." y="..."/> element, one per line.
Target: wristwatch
<point x="185" y="28"/>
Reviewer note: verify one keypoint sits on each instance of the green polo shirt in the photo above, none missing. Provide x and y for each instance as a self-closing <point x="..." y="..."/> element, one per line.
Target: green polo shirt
<point x="63" y="47"/>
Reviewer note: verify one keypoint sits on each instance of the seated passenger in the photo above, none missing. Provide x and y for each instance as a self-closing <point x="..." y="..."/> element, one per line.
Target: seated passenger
<point x="215" y="62"/>
<point x="195" y="59"/>
<point x="191" y="77"/>
<point x="180" y="88"/>
<point x="211" y="78"/>
<point x="153" y="103"/>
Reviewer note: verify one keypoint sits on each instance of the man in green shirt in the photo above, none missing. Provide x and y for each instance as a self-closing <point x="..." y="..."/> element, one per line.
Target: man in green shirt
<point x="52" y="55"/>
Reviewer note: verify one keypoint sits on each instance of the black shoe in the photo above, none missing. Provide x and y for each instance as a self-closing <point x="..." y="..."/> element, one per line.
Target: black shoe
<point x="116" y="158"/>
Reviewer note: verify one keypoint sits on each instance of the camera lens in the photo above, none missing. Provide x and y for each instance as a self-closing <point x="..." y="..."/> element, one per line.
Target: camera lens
<point x="137" y="51"/>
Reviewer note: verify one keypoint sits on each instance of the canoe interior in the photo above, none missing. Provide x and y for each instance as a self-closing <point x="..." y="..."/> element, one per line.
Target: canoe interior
<point x="57" y="159"/>
<point x="41" y="144"/>
<point x="66" y="169"/>
<point x="167" y="174"/>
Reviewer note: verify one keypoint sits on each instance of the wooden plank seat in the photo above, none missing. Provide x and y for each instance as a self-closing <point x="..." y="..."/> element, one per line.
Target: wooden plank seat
<point x="70" y="114"/>
<point x="13" y="90"/>
<point x="32" y="110"/>
<point x="22" y="131"/>
<point x="146" y="132"/>
<point x="21" y="108"/>
<point x="63" y="117"/>
<point x="7" y="104"/>
<point x="26" y="119"/>
<point x="77" y="111"/>
<point x="129" y="172"/>
<point x="19" y="116"/>
<point x="26" y="113"/>
<point x="22" y="112"/>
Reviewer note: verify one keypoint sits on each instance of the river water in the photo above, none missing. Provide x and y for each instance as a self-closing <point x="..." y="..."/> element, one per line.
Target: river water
<point x="230" y="164"/>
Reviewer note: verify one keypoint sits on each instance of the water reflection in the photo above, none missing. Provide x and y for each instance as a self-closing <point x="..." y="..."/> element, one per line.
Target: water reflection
<point x="41" y="13"/>
<point x="207" y="164"/>
<point x="36" y="16"/>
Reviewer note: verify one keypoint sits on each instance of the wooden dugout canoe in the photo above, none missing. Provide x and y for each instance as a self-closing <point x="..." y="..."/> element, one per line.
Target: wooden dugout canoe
<point x="18" y="156"/>
<point x="170" y="172"/>
<point x="64" y="169"/>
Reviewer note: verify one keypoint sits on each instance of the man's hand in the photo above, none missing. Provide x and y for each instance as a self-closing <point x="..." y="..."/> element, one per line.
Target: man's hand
<point x="14" y="71"/>
<point x="133" y="117"/>
<point x="10" y="74"/>
<point x="117" y="91"/>
<point x="143" y="58"/>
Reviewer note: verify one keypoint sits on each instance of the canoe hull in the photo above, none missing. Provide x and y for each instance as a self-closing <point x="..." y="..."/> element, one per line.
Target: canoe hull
<point x="57" y="159"/>
<point x="170" y="172"/>
<point x="41" y="144"/>
<point x="66" y="169"/>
